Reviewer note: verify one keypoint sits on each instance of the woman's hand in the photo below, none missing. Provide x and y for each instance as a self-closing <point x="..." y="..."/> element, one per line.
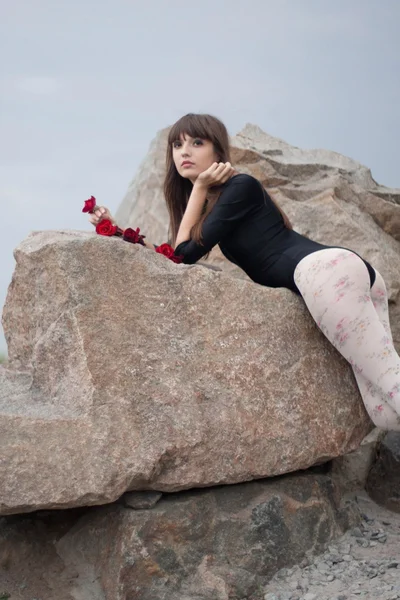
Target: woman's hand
<point x="217" y="174"/>
<point x="99" y="213"/>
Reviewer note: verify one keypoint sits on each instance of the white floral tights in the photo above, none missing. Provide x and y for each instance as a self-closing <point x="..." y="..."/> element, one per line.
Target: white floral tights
<point x="335" y="286"/>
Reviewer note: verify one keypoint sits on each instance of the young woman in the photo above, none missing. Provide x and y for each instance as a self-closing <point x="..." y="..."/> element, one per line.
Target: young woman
<point x="210" y="203"/>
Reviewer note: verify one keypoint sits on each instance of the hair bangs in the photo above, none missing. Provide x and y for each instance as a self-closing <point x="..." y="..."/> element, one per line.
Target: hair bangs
<point x="194" y="125"/>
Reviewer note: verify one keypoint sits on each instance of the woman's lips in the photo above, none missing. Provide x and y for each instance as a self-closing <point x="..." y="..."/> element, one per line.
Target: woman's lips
<point x="187" y="165"/>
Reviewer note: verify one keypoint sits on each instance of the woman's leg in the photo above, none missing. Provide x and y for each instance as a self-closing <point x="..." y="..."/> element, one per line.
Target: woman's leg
<point x="335" y="285"/>
<point x="380" y="301"/>
<point x="381" y="413"/>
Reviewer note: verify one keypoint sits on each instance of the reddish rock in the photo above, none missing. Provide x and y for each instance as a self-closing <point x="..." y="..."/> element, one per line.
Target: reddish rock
<point x="129" y="372"/>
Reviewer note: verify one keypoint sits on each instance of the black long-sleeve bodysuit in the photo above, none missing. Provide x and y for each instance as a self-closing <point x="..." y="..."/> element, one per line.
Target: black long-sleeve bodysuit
<point x="251" y="233"/>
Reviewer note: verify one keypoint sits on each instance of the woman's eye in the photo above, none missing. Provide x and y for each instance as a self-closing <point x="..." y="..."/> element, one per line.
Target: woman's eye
<point x="198" y="142"/>
<point x="176" y="144"/>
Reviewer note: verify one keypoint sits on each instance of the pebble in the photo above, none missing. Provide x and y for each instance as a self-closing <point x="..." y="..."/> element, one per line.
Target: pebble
<point x="354" y="567"/>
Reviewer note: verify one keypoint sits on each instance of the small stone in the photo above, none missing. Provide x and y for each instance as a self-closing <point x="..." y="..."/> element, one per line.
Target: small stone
<point x="334" y="558"/>
<point x="373" y="544"/>
<point x="322" y="567"/>
<point x="270" y="596"/>
<point x="377" y="535"/>
<point x="282" y="573"/>
<point x="366" y="518"/>
<point x="304" y="583"/>
<point x="381" y="570"/>
<point x="304" y="563"/>
<point x="393" y="564"/>
<point x="330" y="577"/>
<point x="294" y="585"/>
<point x="310" y="596"/>
<point x="356" y="532"/>
<point x="347" y="557"/>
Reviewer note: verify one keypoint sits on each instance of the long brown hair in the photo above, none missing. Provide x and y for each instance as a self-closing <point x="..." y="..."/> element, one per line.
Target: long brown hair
<point x="177" y="189"/>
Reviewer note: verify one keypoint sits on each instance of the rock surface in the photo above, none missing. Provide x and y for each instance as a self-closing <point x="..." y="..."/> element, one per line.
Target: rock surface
<point x="129" y="372"/>
<point x="383" y="483"/>
<point x="215" y="544"/>
<point x="364" y="564"/>
<point x="352" y="470"/>
<point x="329" y="197"/>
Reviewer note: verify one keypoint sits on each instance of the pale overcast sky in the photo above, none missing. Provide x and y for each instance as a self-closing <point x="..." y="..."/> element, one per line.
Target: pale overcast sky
<point x="86" y="84"/>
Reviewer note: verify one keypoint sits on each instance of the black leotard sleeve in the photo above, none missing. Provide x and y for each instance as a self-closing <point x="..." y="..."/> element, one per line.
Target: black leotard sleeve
<point x="236" y="202"/>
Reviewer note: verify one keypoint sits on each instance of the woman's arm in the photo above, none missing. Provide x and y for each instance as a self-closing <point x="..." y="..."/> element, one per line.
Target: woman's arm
<point x="193" y="211"/>
<point x="241" y="196"/>
<point x="150" y="245"/>
<point x="216" y="174"/>
<point x="101" y="212"/>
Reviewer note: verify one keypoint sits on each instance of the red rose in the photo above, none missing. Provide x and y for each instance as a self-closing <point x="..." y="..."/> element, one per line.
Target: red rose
<point x="169" y="252"/>
<point x="89" y="205"/>
<point x="177" y="259"/>
<point x="165" y="249"/>
<point x="105" y="227"/>
<point x="134" y="236"/>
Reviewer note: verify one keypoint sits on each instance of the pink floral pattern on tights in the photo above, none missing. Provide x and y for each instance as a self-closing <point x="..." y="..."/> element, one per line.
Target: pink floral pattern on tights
<point x="335" y="286"/>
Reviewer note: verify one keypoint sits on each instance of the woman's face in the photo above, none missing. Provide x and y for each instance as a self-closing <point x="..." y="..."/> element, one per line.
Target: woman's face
<point x="192" y="156"/>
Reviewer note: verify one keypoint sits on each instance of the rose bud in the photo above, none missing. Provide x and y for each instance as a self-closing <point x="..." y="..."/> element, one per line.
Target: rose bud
<point x="89" y="205"/>
<point x="133" y="236"/>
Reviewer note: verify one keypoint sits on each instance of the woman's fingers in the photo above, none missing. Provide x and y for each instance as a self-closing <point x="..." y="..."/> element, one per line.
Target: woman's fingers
<point x="226" y="171"/>
<point x="217" y="173"/>
<point x="99" y="213"/>
<point x="219" y="169"/>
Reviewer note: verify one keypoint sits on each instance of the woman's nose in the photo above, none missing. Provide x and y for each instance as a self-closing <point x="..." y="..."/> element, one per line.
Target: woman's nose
<point x="185" y="151"/>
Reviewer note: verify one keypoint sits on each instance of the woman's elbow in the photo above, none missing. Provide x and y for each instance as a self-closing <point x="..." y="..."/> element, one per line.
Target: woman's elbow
<point x="189" y="259"/>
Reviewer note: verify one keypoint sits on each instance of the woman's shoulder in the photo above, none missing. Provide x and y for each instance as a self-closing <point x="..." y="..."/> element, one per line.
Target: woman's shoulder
<point x="244" y="181"/>
<point x="241" y="188"/>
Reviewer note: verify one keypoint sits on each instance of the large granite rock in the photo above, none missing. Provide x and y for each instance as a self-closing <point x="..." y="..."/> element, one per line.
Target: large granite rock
<point x="329" y="197"/>
<point x="213" y="544"/>
<point x="383" y="481"/>
<point x="129" y="372"/>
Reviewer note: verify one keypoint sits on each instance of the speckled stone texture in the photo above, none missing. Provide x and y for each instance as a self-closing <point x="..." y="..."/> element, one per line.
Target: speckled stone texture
<point x="383" y="482"/>
<point x="215" y="544"/>
<point x="129" y="372"/>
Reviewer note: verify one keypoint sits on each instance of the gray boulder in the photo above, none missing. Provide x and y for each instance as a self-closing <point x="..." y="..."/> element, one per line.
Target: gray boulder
<point x="129" y="372"/>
